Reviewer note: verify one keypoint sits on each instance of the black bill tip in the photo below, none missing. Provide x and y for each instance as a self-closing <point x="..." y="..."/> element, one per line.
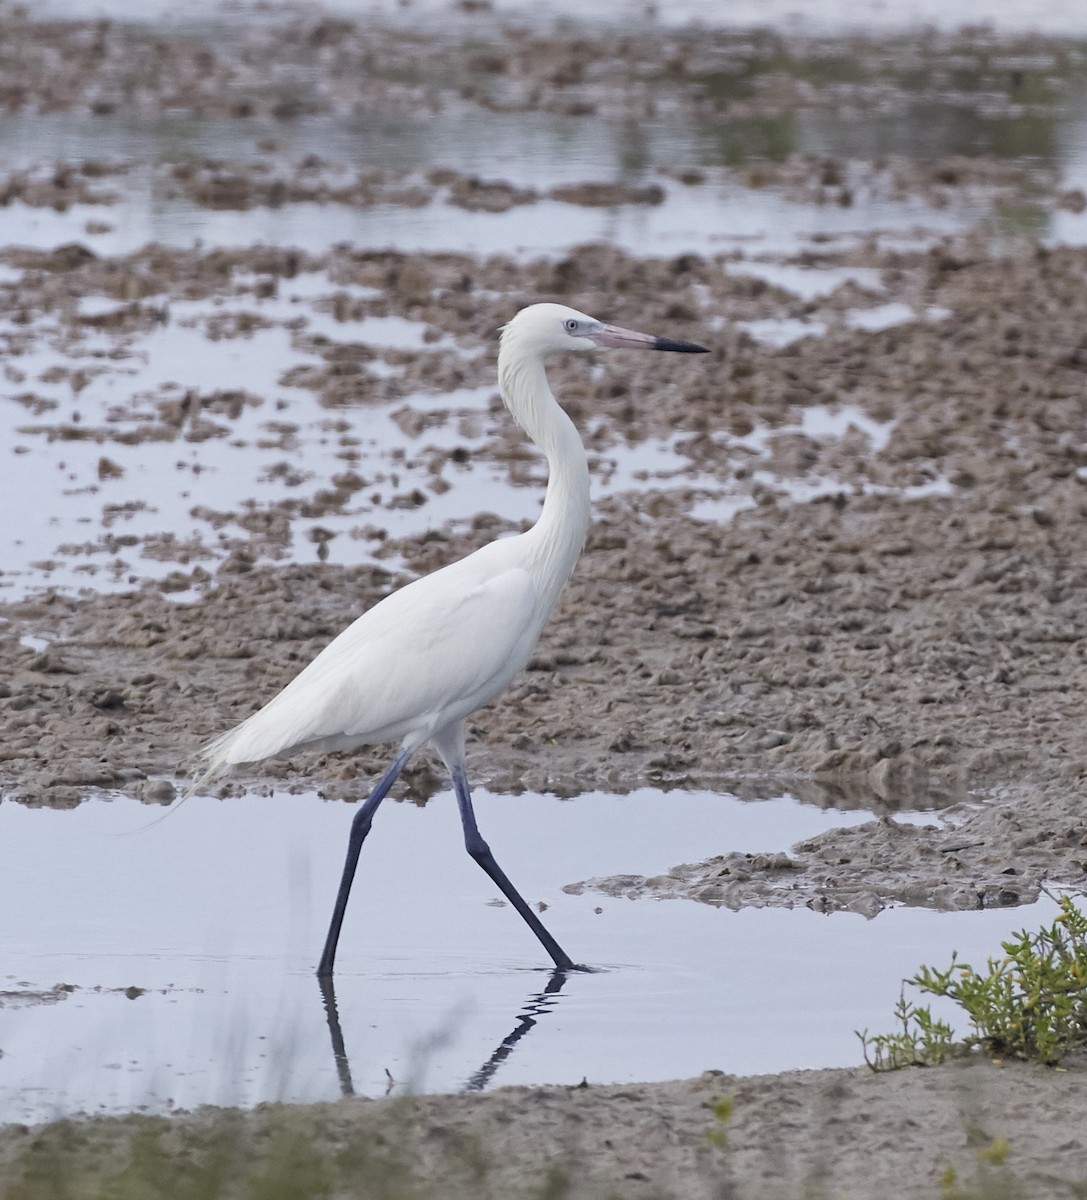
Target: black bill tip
<point x="679" y="347"/>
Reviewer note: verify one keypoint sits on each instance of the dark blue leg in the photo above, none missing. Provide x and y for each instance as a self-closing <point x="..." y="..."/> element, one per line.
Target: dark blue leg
<point x="481" y="852"/>
<point x="360" y="827"/>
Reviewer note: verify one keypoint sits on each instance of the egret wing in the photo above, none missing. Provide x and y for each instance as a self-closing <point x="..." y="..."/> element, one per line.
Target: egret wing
<point x="428" y="654"/>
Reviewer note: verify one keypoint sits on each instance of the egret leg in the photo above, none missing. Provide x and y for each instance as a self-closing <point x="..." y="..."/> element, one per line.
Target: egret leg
<point x="360" y="827"/>
<point x="481" y="852"/>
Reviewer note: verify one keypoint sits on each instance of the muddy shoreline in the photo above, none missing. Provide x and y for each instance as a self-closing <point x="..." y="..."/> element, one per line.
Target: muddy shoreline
<point x="966" y="1128"/>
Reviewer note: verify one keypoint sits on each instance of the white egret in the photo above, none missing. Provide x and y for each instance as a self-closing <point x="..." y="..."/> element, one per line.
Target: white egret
<point x="412" y="668"/>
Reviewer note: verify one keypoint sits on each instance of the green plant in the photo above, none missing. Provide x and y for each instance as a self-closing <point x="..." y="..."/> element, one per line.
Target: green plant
<point x="722" y="1109"/>
<point x="922" y="1040"/>
<point x="1029" y="1004"/>
<point x="991" y="1178"/>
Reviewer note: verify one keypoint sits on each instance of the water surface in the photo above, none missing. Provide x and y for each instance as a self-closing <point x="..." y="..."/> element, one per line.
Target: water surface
<point x="189" y="947"/>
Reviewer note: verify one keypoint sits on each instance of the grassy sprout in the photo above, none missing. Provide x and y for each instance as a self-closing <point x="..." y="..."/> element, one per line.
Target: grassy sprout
<point x="1030" y="1003"/>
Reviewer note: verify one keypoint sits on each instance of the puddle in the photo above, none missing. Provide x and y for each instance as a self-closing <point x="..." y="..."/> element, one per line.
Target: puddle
<point x="820" y="423"/>
<point x="721" y="507"/>
<point x="782" y="331"/>
<point x="534" y="150"/>
<point x="691" y="220"/>
<point x="37" y="644"/>
<point x="809" y="283"/>
<point x="102" y="487"/>
<point x="895" y="312"/>
<point x="171" y="965"/>
<point x="115" y="505"/>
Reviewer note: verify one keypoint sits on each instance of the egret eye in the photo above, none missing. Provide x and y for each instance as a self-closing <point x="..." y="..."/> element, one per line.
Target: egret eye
<point x="571" y="325"/>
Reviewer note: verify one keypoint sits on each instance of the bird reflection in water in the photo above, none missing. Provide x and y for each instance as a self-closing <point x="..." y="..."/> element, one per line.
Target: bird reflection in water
<point x="536" y="1007"/>
<point x="335" y="1031"/>
<point x="539" y="1004"/>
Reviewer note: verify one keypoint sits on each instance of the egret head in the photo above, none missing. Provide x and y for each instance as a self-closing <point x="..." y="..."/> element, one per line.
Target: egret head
<point x="543" y="329"/>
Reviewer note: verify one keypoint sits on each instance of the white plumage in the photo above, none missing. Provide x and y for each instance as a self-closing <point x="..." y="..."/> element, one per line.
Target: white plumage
<point x="406" y="668"/>
<point x="412" y="668"/>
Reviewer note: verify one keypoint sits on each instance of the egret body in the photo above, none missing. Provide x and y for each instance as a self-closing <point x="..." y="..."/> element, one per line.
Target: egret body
<point x="412" y="668"/>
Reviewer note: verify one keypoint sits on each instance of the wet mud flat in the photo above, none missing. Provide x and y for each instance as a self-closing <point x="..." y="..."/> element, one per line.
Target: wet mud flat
<point x="918" y="626"/>
<point x="893" y="608"/>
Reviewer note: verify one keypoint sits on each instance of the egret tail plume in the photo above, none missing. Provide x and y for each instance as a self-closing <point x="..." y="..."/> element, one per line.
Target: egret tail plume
<point x="214" y="766"/>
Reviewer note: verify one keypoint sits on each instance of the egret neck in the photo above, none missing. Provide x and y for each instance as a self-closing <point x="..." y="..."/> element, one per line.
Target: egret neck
<point x="559" y="533"/>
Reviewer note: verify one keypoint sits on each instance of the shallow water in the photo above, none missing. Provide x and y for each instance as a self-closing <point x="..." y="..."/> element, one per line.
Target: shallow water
<point x="706" y="219"/>
<point x="104" y="498"/>
<point x="213" y="919"/>
<point x="1055" y="16"/>
<point x="540" y="150"/>
<point x="89" y="525"/>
